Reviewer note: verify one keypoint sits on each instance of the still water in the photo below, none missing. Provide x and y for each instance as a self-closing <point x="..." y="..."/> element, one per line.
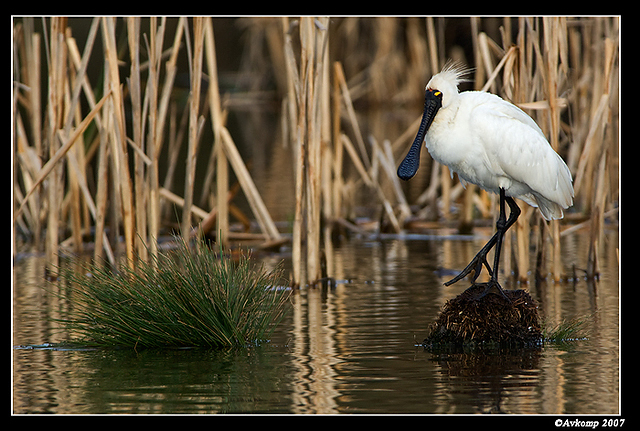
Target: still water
<point x="353" y="348"/>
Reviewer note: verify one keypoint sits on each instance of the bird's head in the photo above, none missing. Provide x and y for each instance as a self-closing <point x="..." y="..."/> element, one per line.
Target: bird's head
<point x="447" y="81"/>
<point x="441" y="90"/>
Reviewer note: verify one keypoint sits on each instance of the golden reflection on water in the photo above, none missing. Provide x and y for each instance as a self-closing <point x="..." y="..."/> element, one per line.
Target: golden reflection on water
<point x="345" y="349"/>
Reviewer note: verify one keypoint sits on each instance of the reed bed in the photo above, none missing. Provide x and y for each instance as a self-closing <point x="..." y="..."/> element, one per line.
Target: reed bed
<point x="125" y="141"/>
<point x="88" y="147"/>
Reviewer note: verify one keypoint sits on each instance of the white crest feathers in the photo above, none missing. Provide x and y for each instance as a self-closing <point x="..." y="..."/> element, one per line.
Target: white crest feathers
<point x="455" y="71"/>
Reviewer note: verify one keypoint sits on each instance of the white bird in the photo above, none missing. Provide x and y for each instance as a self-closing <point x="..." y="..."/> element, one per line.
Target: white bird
<point x="492" y="143"/>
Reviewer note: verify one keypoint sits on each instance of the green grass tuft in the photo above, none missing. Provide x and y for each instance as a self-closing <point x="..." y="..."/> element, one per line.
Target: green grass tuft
<point x="567" y="330"/>
<point x="185" y="297"/>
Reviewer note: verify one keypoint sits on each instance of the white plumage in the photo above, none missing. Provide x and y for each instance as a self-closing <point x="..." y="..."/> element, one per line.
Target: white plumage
<point x="492" y="143"/>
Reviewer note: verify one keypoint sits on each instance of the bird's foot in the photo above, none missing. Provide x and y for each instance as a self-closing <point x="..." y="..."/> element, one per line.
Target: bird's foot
<point x="492" y="286"/>
<point x="475" y="265"/>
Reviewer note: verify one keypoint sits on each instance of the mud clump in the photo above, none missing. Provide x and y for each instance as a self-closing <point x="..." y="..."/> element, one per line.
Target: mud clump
<point x="469" y="320"/>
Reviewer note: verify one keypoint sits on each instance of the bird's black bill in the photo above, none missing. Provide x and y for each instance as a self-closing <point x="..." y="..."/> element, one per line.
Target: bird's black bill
<point x="411" y="162"/>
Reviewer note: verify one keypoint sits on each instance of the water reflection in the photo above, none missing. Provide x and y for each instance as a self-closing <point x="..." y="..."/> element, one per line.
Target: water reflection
<point x="393" y="301"/>
<point x="347" y="349"/>
<point x="493" y="383"/>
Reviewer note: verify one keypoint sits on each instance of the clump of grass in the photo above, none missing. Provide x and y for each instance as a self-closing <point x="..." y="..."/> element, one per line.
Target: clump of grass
<point x="185" y="297"/>
<point x="567" y="330"/>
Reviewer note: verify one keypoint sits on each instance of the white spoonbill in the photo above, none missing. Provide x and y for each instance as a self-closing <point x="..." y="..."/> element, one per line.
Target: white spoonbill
<point x="495" y="145"/>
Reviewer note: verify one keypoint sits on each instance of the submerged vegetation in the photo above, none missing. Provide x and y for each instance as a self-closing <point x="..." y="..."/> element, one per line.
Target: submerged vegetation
<point x="190" y="296"/>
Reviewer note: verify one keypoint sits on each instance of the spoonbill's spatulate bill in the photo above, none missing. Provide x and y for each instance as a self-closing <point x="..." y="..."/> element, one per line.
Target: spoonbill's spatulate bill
<point x="492" y="143"/>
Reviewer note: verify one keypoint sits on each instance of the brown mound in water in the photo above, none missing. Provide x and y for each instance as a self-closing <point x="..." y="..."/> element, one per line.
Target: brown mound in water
<point x="491" y="320"/>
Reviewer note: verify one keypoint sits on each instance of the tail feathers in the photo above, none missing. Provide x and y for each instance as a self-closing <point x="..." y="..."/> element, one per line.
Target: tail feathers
<point x="549" y="209"/>
<point x="558" y="198"/>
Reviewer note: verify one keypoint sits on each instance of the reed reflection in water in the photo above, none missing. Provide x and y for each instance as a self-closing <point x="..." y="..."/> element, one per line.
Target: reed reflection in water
<point x="347" y="349"/>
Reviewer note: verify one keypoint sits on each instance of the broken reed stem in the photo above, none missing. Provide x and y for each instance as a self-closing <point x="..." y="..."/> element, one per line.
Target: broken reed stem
<point x="260" y="211"/>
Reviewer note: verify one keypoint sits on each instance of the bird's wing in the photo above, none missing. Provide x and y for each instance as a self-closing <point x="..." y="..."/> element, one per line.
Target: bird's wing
<point x="516" y="146"/>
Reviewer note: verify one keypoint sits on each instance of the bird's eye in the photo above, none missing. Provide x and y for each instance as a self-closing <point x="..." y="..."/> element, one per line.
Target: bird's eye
<point x="435" y="92"/>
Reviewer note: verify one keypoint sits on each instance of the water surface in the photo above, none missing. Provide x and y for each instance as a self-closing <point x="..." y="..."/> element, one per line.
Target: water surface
<point x="353" y="348"/>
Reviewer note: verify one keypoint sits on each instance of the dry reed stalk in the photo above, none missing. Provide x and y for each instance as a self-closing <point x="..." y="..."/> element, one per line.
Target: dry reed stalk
<point x="337" y="142"/>
<point x="133" y="86"/>
<point x="346" y="94"/>
<point x="418" y="53"/>
<point x="294" y="97"/>
<point x="593" y="145"/>
<point x="601" y="152"/>
<point x="119" y="143"/>
<point x="101" y="201"/>
<point x="172" y="197"/>
<point x="326" y="153"/>
<point x="551" y="41"/>
<point x="385" y="158"/>
<point x="102" y="179"/>
<point x="306" y="86"/>
<point x="196" y="81"/>
<point x="222" y="176"/>
<point x="73" y="200"/>
<point x="359" y="161"/>
<point x="513" y="85"/>
<point x="59" y="154"/>
<point x="170" y="74"/>
<point x="32" y="54"/>
<point x="369" y="181"/>
<point x="176" y="138"/>
<point x="29" y="164"/>
<point x="154" y="137"/>
<point x="77" y="158"/>
<point x="55" y="106"/>
<point x="71" y="205"/>
<point x="27" y="48"/>
<point x="308" y="68"/>
<point x="208" y="224"/>
<point x="433" y="45"/>
<point x="258" y="207"/>
<point x="596" y="221"/>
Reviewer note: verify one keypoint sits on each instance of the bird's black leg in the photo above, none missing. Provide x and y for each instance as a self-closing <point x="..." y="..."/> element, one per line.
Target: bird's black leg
<point x="502" y="225"/>
<point x="476" y="263"/>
